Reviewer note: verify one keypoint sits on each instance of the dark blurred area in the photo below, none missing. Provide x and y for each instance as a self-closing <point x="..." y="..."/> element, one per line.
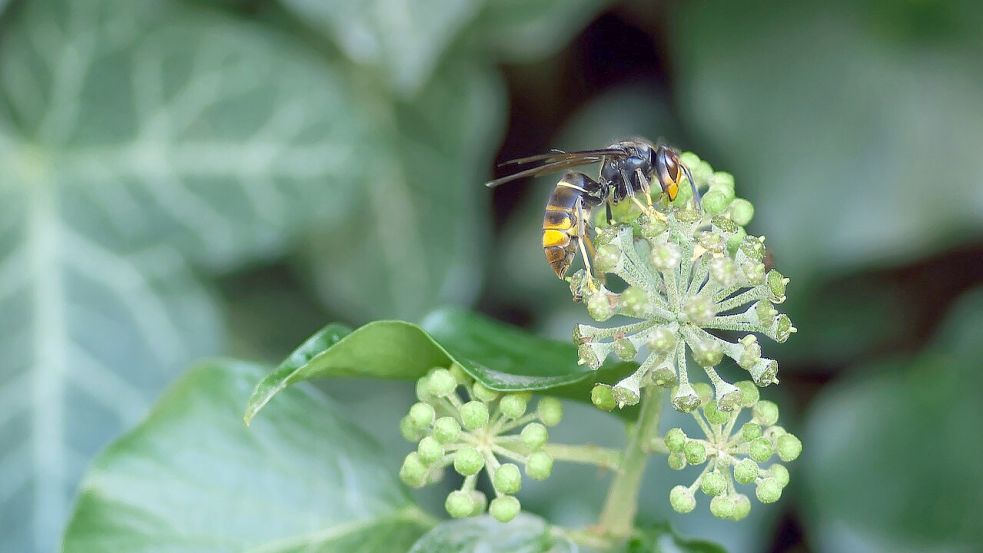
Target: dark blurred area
<point x="241" y="172"/>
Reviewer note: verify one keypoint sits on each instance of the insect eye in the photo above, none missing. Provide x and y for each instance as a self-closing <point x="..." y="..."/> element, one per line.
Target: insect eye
<point x="672" y="167"/>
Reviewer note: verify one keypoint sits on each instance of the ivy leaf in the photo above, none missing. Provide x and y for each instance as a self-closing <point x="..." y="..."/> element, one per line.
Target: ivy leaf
<point x="660" y="538"/>
<point x="524" y="30"/>
<point x="906" y="433"/>
<point x="192" y="478"/>
<point x="498" y="356"/>
<point x="416" y="237"/>
<point x="525" y="534"/>
<point x="136" y="137"/>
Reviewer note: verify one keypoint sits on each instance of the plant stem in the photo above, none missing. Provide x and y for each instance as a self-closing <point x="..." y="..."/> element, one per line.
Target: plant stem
<point x="618" y="516"/>
<point x="587" y="454"/>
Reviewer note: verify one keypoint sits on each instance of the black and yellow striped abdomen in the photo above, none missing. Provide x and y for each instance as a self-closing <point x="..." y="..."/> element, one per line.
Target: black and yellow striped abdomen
<point x="561" y="223"/>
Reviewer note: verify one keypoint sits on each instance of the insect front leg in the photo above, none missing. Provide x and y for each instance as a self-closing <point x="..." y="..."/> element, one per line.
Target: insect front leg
<point x="583" y="241"/>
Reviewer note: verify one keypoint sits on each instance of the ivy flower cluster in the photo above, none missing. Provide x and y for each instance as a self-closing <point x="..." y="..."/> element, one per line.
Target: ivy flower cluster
<point x="461" y="423"/>
<point x="690" y="274"/>
<point x="732" y="454"/>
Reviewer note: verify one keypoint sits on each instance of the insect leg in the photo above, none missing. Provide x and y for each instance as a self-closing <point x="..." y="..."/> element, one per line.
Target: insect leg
<point x="646" y="186"/>
<point x="582" y="239"/>
<point x="631" y="192"/>
<point x="692" y="183"/>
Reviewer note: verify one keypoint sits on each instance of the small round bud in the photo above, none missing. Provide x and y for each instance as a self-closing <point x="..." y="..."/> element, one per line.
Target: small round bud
<point x="607" y="258"/>
<point x="773" y="432"/>
<point x="664" y="375"/>
<point x="783" y="329"/>
<point x="662" y="340"/>
<point x="699" y="310"/>
<point x="480" y="503"/>
<point x="765" y="413"/>
<point x="760" y="450"/>
<point x="749" y="393"/>
<point x="408" y="431"/>
<point x="754" y="272"/>
<point x="765" y="312"/>
<point x="714" y="415"/>
<point x="707" y="353"/>
<point x="741" y="211"/>
<point x="550" y="411"/>
<point x="539" y="465"/>
<point x="750" y="352"/>
<point x="665" y="256"/>
<point x="704" y="391"/>
<point x="599" y="307"/>
<point x="713" y="483"/>
<point x="746" y="471"/>
<point x="534" y="435"/>
<point x="624" y="349"/>
<point x="460" y="504"/>
<point x="651" y="227"/>
<point x="603" y="397"/>
<point x="714" y="202"/>
<point x="474" y="415"/>
<point x="722" y="506"/>
<point x="696" y="452"/>
<point x="681" y="499"/>
<point x="504" y="508"/>
<point x="430" y="450"/>
<point x="776" y="285"/>
<point x="779" y="474"/>
<point x="742" y="506"/>
<point x="468" y="461"/>
<point x="483" y="393"/>
<point x="446" y="430"/>
<point x="421" y="415"/>
<point x="675" y="439"/>
<point x="723" y="271"/>
<point x="507" y="479"/>
<point x="736" y="240"/>
<point x="633" y="301"/>
<point x="413" y="473"/>
<point x="676" y="460"/>
<point x="441" y="383"/>
<point x="423" y="389"/>
<point x="768" y="490"/>
<point x="460" y="375"/>
<point x="728" y="397"/>
<point x="789" y="447"/>
<point x="685" y="398"/>
<point x="512" y="406"/>
<point x="750" y="431"/>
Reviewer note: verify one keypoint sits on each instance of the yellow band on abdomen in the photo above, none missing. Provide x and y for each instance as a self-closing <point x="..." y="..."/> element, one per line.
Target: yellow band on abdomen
<point x="555" y="238"/>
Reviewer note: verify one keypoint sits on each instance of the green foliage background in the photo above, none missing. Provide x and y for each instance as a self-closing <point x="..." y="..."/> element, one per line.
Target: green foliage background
<point x="181" y="179"/>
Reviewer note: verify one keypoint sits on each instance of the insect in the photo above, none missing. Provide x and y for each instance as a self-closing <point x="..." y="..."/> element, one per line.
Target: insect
<point x="627" y="168"/>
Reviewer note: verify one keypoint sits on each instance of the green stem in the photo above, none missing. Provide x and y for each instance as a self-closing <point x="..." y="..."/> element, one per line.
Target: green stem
<point x="621" y="505"/>
<point x="587" y="454"/>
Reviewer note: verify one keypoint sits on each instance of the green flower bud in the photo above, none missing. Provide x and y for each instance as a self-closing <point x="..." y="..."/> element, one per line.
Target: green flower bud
<point x="413" y="473"/>
<point x="681" y="499"/>
<point x="662" y="340"/>
<point x="665" y="256"/>
<point x="746" y="471"/>
<point x="722" y="506"/>
<point x="779" y="474"/>
<point x="633" y="301"/>
<point x="789" y="447"/>
<point x="749" y="393"/>
<point x="677" y="460"/>
<point x="410" y="432"/>
<point x="750" y="431"/>
<point x="764" y="372"/>
<point x="714" y="415"/>
<point x="483" y="393"/>
<point x="707" y="353"/>
<point x="675" y="439"/>
<point x="751" y="352"/>
<point x="710" y="241"/>
<point x="624" y="349"/>
<point x="714" y="202"/>
<point x="773" y="432"/>
<point x="460" y="375"/>
<point x="736" y="240"/>
<point x="534" y="435"/>
<point x="728" y="396"/>
<point x="599" y="307"/>
<point x="776" y="285"/>
<point x="768" y="490"/>
<point x="664" y="375"/>
<point x="713" y="483"/>
<point x="723" y="271"/>
<point x="430" y="450"/>
<point x="723" y="181"/>
<point x="651" y="227"/>
<point x="474" y="415"/>
<point x="704" y="391"/>
<point x="480" y="502"/>
<point x="608" y="258"/>
<point x="765" y="413"/>
<point x="504" y="508"/>
<point x="468" y="461"/>
<point x="550" y="411"/>
<point x="446" y="430"/>
<point x="696" y="452"/>
<point x="783" y="329"/>
<point x="539" y="465"/>
<point x="507" y="479"/>
<point x="742" y="506"/>
<point x="421" y="415"/>
<point x="441" y="383"/>
<point x="512" y="406"/>
<point x="685" y="398"/>
<point x="603" y="398"/>
<point x="699" y="310"/>
<point x="760" y="450"/>
<point x="460" y="504"/>
<point x="754" y="272"/>
<point x="423" y="389"/>
<point x="741" y="211"/>
<point x="766" y="313"/>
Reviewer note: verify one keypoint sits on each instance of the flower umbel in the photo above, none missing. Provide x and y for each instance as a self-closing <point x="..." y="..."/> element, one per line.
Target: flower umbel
<point x="481" y="430"/>
<point x="690" y="274"/>
<point x="732" y="454"/>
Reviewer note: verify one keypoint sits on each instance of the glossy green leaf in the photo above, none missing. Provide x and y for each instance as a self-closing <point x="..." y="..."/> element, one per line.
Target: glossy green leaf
<point x="524" y="30"/>
<point x="192" y="478"/>
<point x="135" y="137"/>
<point x="415" y="241"/>
<point x="497" y="355"/>
<point x="525" y="534"/>
<point x="892" y="455"/>
<point x="661" y="539"/>
<point x="856" y="131"/>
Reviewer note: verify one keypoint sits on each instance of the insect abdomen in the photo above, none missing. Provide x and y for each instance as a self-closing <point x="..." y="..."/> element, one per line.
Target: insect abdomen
<point x="560" y="223"/>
